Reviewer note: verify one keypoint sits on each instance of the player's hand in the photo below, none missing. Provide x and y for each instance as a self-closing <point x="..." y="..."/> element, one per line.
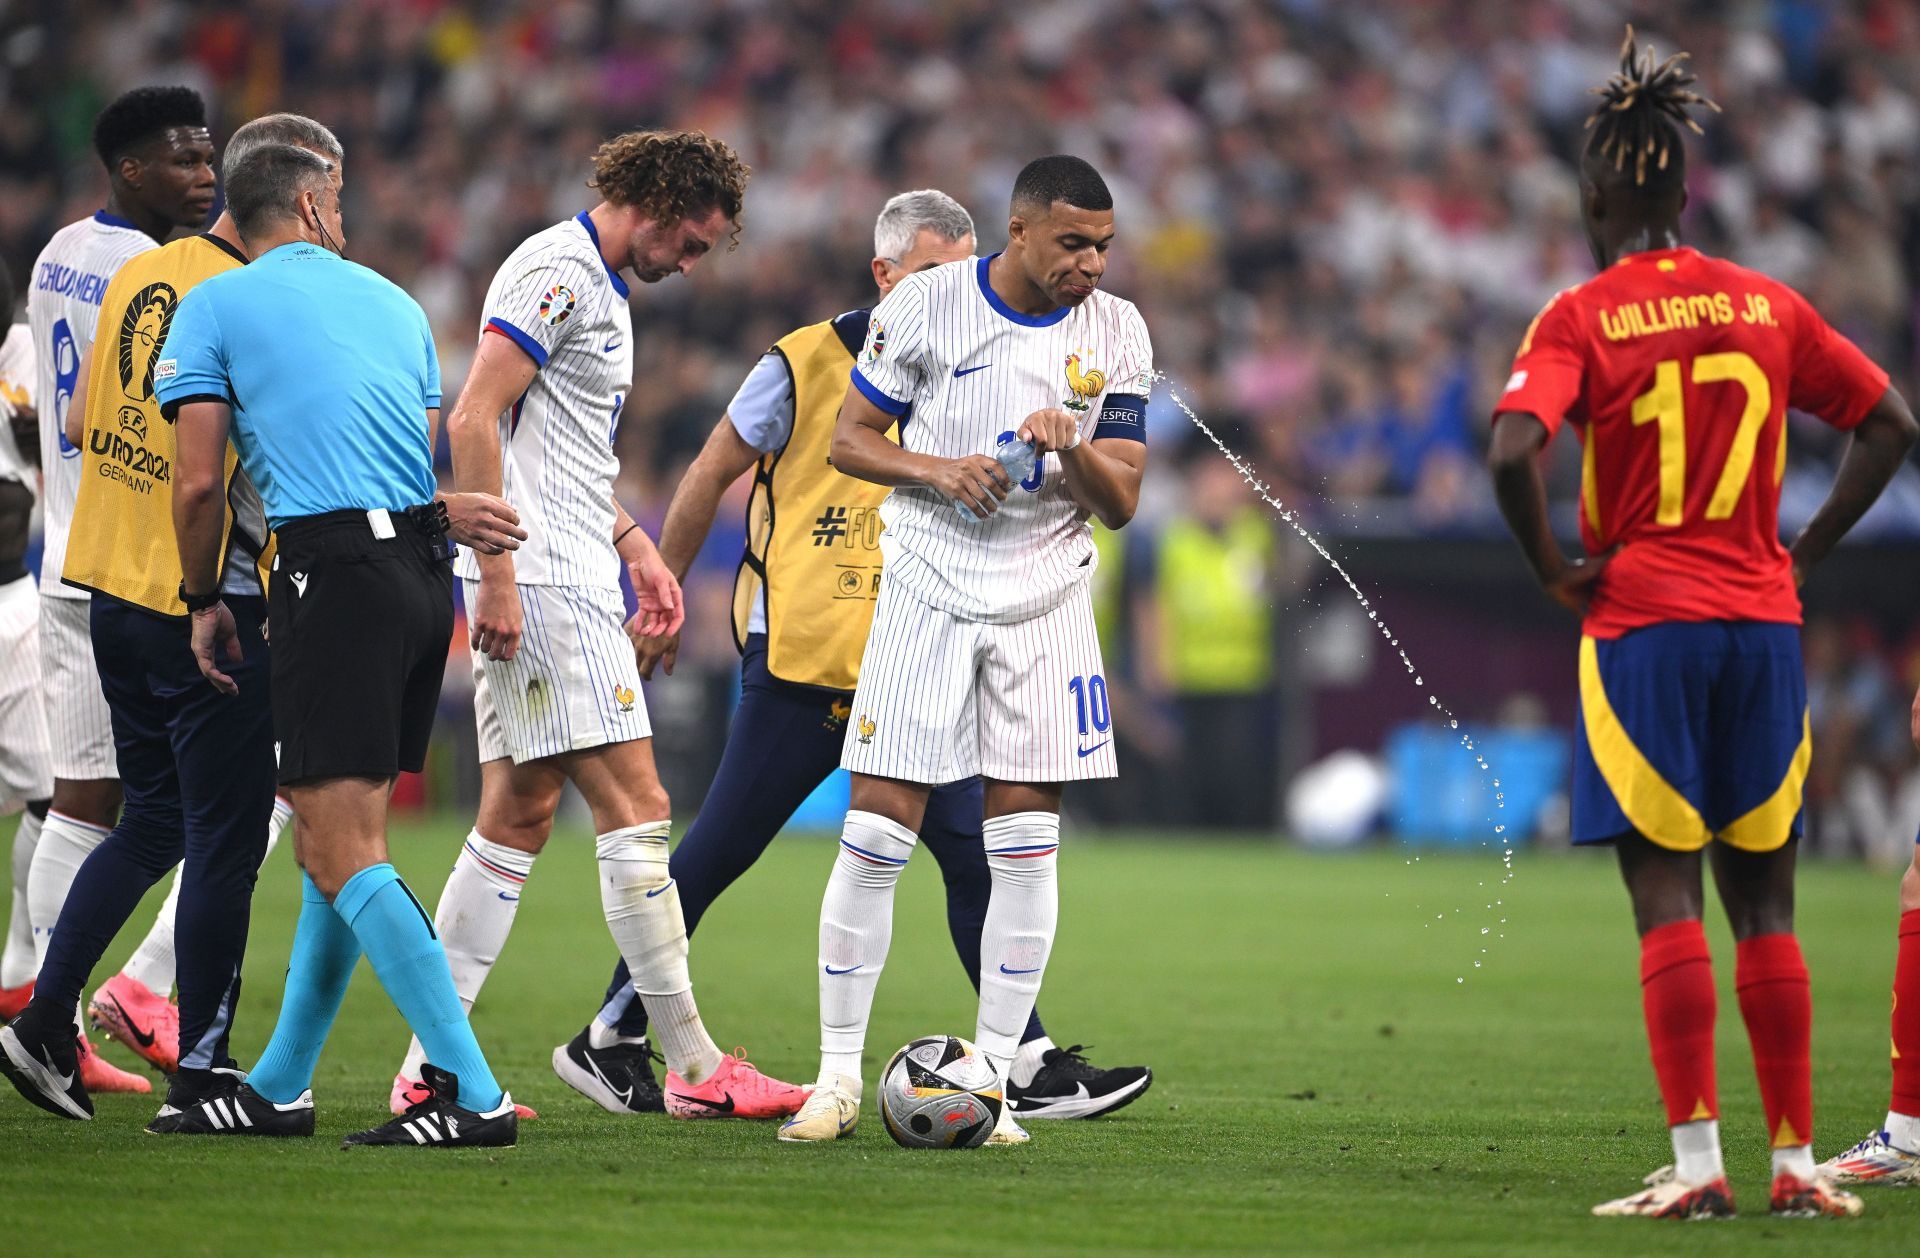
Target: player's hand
<point x="1049" y="430"/>
<point x="662" y="608"/>
<point x="1572" y="586"/>
<point x="496" y="620"/>
<point x="216" y="637"/>
<point x="977" y="482"/>
<point x="657" y="651"/>
<point x="484" y="522"/>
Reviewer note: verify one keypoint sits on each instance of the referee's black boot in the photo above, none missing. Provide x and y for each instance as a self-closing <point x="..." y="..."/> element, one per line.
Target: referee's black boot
<point x="186" y="1088"/>
<point x="232" y="1108"/>
<point x="437" y="1121"/>
<point x="43" y="1062"/>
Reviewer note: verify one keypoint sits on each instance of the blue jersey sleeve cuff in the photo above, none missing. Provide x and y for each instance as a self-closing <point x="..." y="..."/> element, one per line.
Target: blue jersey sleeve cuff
<point x="1123" y="417"/>
<point x="872" y="393"/>
<point x="535" y="350"/>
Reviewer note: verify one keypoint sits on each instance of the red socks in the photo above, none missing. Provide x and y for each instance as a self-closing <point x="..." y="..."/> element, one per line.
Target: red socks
<point x="1777" y="1003"/>
<point x="1676" y="987"/>
<point x="1906" y="1018"/>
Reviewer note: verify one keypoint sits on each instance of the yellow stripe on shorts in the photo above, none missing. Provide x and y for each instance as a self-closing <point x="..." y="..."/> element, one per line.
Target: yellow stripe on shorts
<point x="1768" y="826"/>
<point x="1650" y="803"/>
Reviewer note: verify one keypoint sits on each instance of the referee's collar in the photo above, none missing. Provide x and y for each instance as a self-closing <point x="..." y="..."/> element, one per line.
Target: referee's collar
<point x="294" y="249"/>
<point x="593" y="234"/>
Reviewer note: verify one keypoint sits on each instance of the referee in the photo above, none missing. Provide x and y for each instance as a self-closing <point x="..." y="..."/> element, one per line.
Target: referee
<point x="326" y="377"/>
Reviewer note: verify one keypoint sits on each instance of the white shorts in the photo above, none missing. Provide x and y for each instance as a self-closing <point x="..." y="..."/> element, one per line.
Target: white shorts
<point x="573" y="684"/>
<point x="942" y="698"/>
<point x="78" y="723"/>
<point x="26" y="763"/>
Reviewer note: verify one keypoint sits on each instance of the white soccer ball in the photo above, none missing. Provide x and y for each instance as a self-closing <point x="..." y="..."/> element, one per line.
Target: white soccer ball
<point x="940" y="1092"/>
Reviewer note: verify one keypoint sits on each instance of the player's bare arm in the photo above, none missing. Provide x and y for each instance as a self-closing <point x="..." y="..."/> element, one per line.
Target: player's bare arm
<point x="500" y="373"/>
<point x="724" y="459"/>
<point x="1880" y="444"/>
<point x="861" y="448"/>
<point x="199" y="518"/>
<point x="1514" y="458"/>
<point x="662" y="609"/>
<point x="1103" y="476"/>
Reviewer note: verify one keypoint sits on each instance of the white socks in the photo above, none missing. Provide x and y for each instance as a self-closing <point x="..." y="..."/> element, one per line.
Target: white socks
<point x="856" y="928"/>
<point x="19" y="963"/>
<point x="1022" y="854"/>
<point x="473" y="918"/>
<point x="1795" y="1160"/>
<point x="152" y="962"/>
<point x="1027" y="1062"/>
<point x="64" y="846"/>
<point x="1903" y="1131"/>
<point x="643" y="913"/>
<point x="1696" y="1151"/>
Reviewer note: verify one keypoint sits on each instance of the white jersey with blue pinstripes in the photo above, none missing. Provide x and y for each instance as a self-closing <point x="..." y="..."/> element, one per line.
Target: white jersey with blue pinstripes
<point x="556" y="299"/>
<point x="965" y="367"/>
<point x="63" y="308"/>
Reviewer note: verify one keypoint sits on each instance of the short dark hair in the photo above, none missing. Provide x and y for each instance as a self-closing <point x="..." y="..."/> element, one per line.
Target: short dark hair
<point x="142" y="114"/>
<point x="262" y="185"/>
<point x="1061" y="177"/>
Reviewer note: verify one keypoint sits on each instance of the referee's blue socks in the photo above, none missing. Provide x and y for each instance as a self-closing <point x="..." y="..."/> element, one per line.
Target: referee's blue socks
<point x="397" y="936"/>
<point x="324" y="952"/>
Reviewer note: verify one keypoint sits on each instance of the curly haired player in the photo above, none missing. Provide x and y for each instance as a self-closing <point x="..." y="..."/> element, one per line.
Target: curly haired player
<point x="556" y="682"/>
<point x="1676" y="371"/>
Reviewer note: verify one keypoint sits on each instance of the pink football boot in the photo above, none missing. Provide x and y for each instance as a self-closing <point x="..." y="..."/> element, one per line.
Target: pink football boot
<point x="735" y="1090"/>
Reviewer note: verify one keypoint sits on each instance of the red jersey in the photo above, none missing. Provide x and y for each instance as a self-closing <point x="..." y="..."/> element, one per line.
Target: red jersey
<point x="1676" y="370"/>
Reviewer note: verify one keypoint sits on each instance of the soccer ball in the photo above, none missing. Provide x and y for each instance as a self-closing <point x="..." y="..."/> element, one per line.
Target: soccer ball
<point x="940" y="1092"/>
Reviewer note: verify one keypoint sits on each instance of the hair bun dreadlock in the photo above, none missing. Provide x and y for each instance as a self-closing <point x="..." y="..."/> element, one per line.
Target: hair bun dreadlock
<point x="1637" y="110"/>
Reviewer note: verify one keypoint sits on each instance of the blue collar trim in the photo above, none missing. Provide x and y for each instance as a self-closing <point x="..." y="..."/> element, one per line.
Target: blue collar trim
<point x="619" y="285"/>
<point x="113" y="220"/>
<point x="1024" y="320"/>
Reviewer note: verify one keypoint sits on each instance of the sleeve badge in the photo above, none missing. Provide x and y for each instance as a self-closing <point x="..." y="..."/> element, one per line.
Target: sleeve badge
<point x="556" y="304"/>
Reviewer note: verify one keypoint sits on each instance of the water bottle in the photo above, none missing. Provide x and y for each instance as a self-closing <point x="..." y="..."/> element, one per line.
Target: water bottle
<point x="1016" y="457"/>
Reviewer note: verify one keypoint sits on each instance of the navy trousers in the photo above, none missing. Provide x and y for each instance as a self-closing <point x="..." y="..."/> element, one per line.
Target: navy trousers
<point x="784" y="741"/>
<point x="197" y="769"/>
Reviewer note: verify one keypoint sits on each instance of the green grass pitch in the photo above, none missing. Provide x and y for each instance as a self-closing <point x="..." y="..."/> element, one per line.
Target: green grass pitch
<point x="1323" y="1081"/>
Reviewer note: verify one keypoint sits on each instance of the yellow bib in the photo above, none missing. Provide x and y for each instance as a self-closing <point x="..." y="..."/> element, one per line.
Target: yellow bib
<point x="122" y="542"/>
<point x="813" y="534"/>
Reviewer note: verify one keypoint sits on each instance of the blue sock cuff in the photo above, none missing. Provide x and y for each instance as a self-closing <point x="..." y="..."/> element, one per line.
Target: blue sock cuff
<point x="310" y="894"/>
<point x="361" y="888"/>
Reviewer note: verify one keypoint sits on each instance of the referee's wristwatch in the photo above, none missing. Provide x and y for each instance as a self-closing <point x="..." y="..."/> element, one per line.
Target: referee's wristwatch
<point x="198" y="602"/>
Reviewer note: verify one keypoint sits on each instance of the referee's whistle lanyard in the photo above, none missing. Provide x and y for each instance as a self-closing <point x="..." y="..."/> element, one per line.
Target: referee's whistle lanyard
<point x="326" y="238"/>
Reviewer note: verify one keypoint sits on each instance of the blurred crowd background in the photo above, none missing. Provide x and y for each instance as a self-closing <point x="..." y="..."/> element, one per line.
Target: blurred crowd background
<point x="1337" y="218"/>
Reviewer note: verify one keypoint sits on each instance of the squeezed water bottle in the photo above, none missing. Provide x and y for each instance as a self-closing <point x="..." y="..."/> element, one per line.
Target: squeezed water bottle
<point x="1016" y="458"/>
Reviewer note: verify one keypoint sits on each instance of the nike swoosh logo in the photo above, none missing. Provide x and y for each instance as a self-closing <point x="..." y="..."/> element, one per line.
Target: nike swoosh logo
<point x="967" y="371"/>
<point x="1084" y="752"/>
<point x="508" y="898"/>
<point x="66" y="1081"/>
<point x="145" y="1037"/>
<point x="1004" y="970"/>
<point x="610" y="346"/>
<point x="850" y="969"/>
<point x="625" y="1095"/>
<point x="658" y="890"/>
<point x="722" y="1106"/>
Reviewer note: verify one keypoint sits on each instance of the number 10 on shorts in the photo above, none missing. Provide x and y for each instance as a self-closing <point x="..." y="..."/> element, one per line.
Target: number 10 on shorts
<point x="1090" y="704"/>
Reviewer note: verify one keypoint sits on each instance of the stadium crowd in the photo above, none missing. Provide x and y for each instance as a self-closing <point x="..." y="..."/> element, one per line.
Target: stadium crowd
<point x="1337" y="218"/>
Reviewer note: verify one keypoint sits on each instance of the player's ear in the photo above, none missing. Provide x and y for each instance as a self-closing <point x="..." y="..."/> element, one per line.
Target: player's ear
<point x="132" y="171"/>
<point x="882" y="276"/>
<point x="1016" y="229"/>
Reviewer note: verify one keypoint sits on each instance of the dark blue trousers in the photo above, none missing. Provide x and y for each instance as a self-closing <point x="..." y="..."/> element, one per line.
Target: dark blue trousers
<point x="784" y="741"/>
<point x="197" y="769"/>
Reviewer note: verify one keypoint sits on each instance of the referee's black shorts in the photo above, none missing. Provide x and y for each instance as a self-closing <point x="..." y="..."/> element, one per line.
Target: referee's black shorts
<point x="359" y="626"/>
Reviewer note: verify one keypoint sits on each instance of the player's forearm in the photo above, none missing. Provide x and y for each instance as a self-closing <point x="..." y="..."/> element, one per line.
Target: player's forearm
<point x="867" y="455"/>
<point x="1880" y="444"/>
<point x="199" y="493"/>
<point x="690" y="517"/>
<point x="1522" y="495"/>
<point x="1102" y="483"/>
<point x="473" y="441"/>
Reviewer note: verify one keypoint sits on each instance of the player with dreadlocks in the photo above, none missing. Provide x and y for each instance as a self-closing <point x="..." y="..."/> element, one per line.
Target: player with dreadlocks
<point x="1675" y="371"/>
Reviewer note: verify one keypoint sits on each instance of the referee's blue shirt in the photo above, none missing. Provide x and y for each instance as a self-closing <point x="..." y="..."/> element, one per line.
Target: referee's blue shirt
<point x="329" y="368"/>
